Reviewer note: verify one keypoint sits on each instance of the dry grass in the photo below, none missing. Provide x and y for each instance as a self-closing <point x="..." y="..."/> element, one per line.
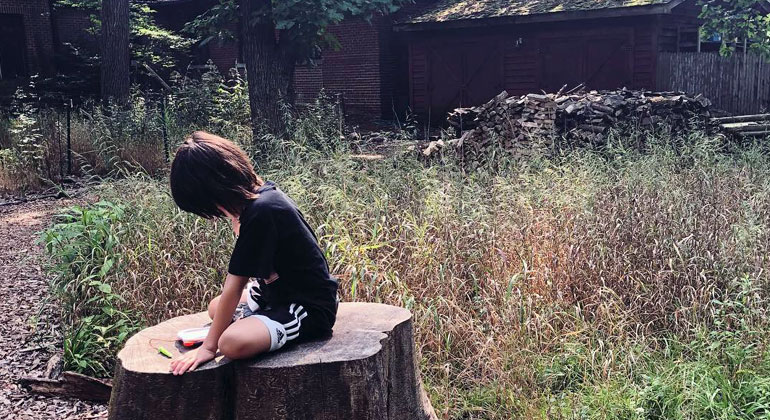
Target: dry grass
<point x="527" y="283"/>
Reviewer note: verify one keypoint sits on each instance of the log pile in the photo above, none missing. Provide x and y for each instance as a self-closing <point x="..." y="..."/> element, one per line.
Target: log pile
<point x="508" y="122"/>
<point x="522" y="125"/>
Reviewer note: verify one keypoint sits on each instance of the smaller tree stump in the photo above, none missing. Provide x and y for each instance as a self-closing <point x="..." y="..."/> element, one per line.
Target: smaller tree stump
<point x="367" y="370"/>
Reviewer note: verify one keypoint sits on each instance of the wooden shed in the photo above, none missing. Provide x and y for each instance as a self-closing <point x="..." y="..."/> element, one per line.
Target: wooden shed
<point x="463" y="52"/>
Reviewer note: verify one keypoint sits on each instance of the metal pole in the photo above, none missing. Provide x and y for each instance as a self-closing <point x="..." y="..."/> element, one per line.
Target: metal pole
<point x="58" y="146"/>
<point x="69" y="137"/>
<point x="339" y="112"/>
<point x="163" y="125"/>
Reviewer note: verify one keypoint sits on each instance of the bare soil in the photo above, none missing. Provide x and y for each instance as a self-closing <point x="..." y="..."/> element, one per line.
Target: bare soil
<point x="29" y="328"/>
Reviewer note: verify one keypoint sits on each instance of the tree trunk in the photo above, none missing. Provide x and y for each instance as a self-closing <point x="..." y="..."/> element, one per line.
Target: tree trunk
<point x="366" y="371"/>
<point x="115" y="56"/>
<point x="269" y="68"/>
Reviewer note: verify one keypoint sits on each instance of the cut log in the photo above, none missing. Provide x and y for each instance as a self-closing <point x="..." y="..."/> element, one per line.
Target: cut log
<point x="367" y="158"/>
<point x="366" y="370"/>
<point x="741" y="118"/>
<point x="745" y="126"/>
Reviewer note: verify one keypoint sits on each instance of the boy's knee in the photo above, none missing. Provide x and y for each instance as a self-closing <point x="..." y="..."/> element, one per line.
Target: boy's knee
<point x="213" y="307"/>
<point x="231" y="346"/>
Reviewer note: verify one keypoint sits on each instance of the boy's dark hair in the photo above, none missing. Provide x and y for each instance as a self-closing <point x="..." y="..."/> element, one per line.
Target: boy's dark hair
<point x="208" y="171"/>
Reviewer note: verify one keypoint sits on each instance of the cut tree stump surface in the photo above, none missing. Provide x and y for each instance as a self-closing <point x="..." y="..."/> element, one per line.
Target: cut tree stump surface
<point x="366" y="370"/>
<point x="140" y="354"/>
<point x="361" y="327"/>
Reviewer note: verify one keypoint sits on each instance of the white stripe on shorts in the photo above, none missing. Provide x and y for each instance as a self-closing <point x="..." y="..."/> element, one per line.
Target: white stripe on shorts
<point x="292" y="328"/>
<point x="297" y="317"/>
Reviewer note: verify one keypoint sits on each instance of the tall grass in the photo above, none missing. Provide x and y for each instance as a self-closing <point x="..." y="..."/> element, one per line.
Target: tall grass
<point x="595" y="284"/>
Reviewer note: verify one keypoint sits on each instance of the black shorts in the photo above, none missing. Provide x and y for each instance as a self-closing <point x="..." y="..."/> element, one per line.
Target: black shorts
<point x="288" y="324"/>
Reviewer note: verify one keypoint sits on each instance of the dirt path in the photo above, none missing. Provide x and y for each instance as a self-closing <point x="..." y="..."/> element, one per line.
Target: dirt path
<point x="28" y="329"/>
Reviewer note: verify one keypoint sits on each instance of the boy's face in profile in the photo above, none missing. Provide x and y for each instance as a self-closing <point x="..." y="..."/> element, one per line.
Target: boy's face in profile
<point x="234" y="219"/>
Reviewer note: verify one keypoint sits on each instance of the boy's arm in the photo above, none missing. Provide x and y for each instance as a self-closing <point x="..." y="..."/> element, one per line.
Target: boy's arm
<point x="231" y="295"/>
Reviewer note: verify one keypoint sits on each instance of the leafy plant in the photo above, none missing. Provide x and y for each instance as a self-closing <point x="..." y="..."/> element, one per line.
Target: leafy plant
<point x="23" y="161"/>
<point x="84" y="248"/>
<point x="737" y="21"/>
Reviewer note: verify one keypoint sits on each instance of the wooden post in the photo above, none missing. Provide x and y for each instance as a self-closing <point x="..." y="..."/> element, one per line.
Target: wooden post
<point x="699" y="40"/>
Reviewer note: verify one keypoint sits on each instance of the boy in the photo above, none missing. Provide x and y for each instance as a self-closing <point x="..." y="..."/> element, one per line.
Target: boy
<point x="293" y="297"/>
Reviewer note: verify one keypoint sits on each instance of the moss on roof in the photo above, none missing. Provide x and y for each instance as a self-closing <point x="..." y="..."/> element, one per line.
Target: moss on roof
<point x="449" y="10"/>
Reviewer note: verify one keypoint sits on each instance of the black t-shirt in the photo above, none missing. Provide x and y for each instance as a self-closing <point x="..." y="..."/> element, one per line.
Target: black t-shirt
<point x="275" y="238"/>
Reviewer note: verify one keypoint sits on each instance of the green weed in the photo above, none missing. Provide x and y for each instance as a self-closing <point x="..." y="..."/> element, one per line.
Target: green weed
<point x="84" y="245"/>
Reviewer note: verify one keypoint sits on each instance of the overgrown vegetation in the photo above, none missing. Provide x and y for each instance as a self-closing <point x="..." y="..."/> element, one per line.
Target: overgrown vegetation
<point x="613" y="283"/>
<point x="109" y="140"/>
<point x="85" y="246"/>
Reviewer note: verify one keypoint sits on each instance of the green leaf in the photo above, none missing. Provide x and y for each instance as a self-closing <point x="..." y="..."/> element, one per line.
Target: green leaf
<point x="106" y="266"/>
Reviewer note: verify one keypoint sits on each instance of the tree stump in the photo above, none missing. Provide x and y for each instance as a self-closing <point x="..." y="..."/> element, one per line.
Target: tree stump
<point x="366" y="370"/>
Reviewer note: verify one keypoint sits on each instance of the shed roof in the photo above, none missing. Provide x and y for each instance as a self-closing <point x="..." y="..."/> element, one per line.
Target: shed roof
<point x="463" y="10"/>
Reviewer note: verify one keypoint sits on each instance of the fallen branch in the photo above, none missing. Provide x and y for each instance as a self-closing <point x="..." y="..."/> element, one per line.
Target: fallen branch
<point x="60" y="194"/>
<point x="31" y="349"/>
<point x="69" y="385"/>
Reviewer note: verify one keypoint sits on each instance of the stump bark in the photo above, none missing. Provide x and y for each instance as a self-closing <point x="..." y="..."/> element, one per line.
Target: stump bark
<point x="367" y="370"/>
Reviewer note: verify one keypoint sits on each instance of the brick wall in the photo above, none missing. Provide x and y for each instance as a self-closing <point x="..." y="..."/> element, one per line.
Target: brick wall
<point x="358" y="70"/>
<point x="308" y="81"/>
<point x="370" y="69"/>
<point x="355" y="69"/>
<point x="38" y="32"/>
<point x="224" y="55"/>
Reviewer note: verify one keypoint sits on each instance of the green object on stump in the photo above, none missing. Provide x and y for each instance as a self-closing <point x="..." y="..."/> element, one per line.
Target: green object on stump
<point x="165" y="352"/>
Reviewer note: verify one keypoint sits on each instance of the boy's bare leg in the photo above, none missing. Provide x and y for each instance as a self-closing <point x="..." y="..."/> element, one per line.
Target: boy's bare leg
<point x="215" y="302"/>
<point x="245" y="338"/>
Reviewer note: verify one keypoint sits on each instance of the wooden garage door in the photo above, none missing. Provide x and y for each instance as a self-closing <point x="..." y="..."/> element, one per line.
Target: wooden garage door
<point x="12" y="47"/>
<point x="600" y="61"/>
<point x="456" y="74"/>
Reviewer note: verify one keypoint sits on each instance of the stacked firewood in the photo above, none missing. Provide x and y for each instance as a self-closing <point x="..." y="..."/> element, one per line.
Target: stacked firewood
<point x="522" y="125"/>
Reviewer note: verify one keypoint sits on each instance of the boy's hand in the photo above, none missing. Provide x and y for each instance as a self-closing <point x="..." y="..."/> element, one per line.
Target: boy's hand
<point x="191" y="360"/>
